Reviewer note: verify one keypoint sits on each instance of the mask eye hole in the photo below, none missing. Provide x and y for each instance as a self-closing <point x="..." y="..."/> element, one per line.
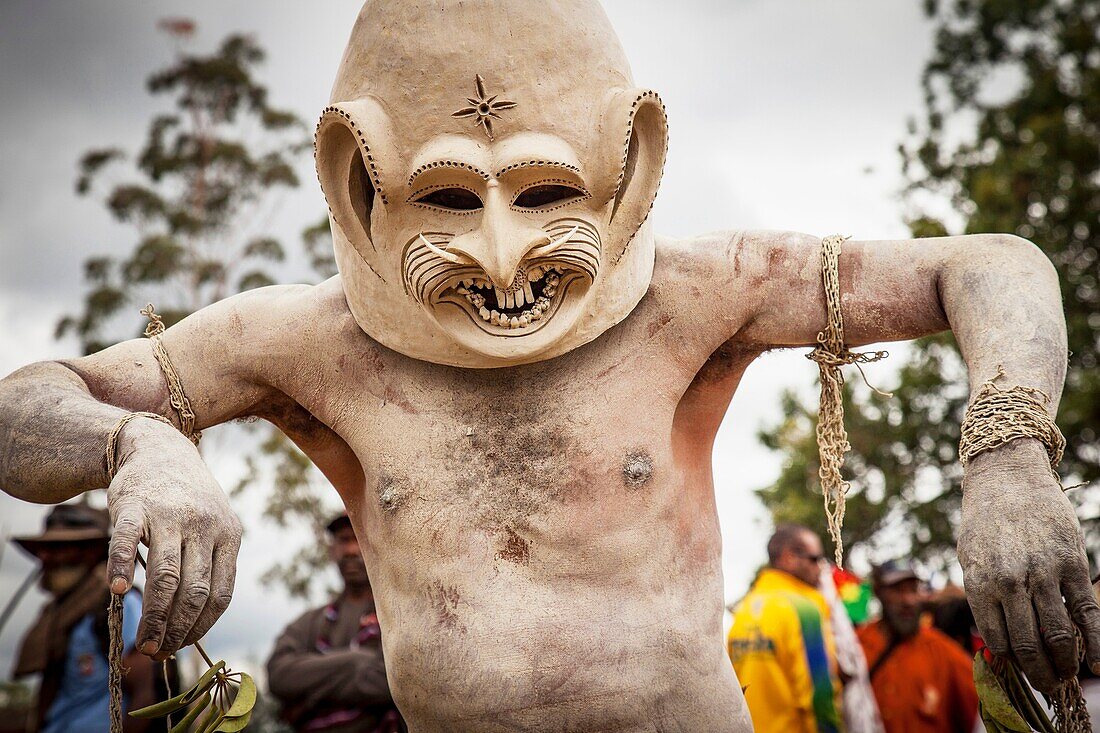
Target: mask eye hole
<point x="547" y="194"/>
<point x="452" y="199"/>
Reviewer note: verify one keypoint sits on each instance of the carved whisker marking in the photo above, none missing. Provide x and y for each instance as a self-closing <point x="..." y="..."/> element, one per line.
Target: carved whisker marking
<point x="434" y="275"/>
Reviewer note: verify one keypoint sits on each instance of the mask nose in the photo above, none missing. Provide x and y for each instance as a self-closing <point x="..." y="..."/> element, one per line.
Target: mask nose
<point x="502" y="242"/>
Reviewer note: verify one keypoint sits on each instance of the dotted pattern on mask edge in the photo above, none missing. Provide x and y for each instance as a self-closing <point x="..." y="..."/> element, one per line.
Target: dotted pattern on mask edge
<point x="447" y="164"/>
<point x="352" y="125"/>
<point x="649" y="94"/>
<point x="440" y="187"/>
<point x="537" y="164"/>
<point x="572" y="184"/>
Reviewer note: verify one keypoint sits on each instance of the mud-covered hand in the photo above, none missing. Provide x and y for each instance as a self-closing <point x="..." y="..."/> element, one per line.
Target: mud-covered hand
<point x="1024" y="564"/>
<point x="163" y="494"/>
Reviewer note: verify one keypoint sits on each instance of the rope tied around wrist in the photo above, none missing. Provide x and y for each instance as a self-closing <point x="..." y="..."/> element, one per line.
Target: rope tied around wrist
<point x="176" y="395"/>
<point x="186" y="416"/>
<point x="114" y="604"/>
<point x="831" y="354"/>
<point x="996" y="416"/>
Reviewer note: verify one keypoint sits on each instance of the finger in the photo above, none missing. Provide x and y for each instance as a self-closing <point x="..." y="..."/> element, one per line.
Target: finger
<point x="990" y="620"/>
<point x="162" y="578"/>
<point x="1027" y="647"/>
<point x="1057" y="632"/>
<point x="129" y="527"/>
<point x="1085" y="611"/>
<point x="191" y="596"/>
<point x="222" y="576"/>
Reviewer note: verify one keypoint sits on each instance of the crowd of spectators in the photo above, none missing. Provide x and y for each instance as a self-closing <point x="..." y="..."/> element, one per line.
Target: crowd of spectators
<point x="810" y="659"/>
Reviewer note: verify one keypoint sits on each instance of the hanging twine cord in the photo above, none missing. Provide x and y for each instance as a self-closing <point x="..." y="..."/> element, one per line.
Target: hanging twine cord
<point x="182" y="406"/>
<point x="114" y="661"/>
<point x="179" y="400"/>
<point x="114" y="605"/>
<point x="997" y="416"/>
<point x="831" y="354"/>
<point x="1071" y="712"/>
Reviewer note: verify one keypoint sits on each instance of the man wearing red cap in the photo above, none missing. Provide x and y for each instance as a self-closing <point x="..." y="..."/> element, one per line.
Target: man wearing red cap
<point x="922" y="679"/>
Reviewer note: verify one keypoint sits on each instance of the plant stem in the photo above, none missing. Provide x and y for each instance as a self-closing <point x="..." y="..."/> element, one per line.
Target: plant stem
<point x="202" y="653"/>
<point x="198" y="646"/>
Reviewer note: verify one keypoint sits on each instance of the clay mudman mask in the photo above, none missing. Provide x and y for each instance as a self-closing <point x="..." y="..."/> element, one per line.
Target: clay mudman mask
<point x="488" y="195"/>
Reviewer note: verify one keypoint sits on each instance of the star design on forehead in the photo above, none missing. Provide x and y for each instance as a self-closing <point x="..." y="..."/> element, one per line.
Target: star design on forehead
<point x="484" y="109"/>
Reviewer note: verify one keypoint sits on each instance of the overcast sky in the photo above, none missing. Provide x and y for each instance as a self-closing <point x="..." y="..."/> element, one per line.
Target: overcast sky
<point x="784" y="114"/>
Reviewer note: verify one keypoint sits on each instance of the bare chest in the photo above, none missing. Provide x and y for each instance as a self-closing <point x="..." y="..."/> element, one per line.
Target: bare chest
<point x="510" y="448"/>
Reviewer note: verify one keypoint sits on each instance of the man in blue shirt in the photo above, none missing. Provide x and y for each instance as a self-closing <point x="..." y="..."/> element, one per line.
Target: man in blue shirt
<point x="67" y="644"/>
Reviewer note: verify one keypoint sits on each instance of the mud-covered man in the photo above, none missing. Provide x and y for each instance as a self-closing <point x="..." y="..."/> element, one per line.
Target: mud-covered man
<point x="515" y="387"/>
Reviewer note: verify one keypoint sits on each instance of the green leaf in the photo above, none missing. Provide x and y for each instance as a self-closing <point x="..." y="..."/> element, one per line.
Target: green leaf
<point x="182" y="700"/>
<point x="212" y="720"/>
<point x="156" y="258"/>
<point x="103" y="302"/>
<point x="233" y="725"/>
<point x="209" y="271"/>
<point x="1023" y="699"/>
<point x="995" y="704"/>
<point x="267" y="248"/>
<point x="245" y="699"/>
<point x="254" y="279"/>
<point x="92" y="162"/>
<point x="192" y="715"/>
<point x="128" y="202"/>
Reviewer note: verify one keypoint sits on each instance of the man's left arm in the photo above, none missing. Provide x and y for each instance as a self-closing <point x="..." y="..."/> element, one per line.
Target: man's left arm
<point x="1020" y="543"/>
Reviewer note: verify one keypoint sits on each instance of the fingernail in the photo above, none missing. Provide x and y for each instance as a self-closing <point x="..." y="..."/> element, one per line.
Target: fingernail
<point x="1095" y="667"/>
<point x="149" y="647"/>
<point x="118" y="585"/>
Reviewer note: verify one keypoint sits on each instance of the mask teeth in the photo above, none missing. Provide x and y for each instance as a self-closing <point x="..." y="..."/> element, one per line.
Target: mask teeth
<point x="468" y="288"/>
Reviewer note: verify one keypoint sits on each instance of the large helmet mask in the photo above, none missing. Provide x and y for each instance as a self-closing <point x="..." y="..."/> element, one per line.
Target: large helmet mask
<point x="489" y="167"/>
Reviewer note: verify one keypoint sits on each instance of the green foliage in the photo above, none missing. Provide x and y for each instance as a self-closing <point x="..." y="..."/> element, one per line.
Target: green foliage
<point x="204" y="172"/>
<point x="1010" y="140"/>
<point x="201" y="171"/>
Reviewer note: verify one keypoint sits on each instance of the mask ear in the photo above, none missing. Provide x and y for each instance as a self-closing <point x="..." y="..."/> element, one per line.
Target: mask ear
<point x="635" y="119"/>
<point x="351" y="138"/>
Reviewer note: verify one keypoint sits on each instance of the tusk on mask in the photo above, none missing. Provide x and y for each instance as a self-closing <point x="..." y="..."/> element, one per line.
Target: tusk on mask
<point x="554" y="244"/>
<point x="452" y="258"/>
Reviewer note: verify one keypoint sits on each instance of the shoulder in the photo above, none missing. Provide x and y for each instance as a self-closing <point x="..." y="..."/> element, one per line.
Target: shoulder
<point x="745" y="252"/>
<point x="267" y="310"/>
<point x="724" y="277"/>
<point x="705" y="255"/>
<point x="260" y="321"/>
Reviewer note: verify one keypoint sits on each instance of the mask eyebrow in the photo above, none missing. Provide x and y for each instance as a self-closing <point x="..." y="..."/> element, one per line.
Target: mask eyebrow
<point x="538" y="163"/>
<point x="446" y="164"/>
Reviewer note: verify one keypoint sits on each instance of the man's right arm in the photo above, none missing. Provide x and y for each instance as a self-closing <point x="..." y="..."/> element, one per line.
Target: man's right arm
<point x="55" y="419"/>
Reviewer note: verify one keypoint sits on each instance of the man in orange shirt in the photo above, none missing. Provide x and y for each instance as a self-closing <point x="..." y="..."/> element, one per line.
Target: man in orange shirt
<point x="922" y="680"/>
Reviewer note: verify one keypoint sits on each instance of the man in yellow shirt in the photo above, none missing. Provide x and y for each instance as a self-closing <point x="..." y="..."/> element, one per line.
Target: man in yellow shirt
<point x="781" y="644"/>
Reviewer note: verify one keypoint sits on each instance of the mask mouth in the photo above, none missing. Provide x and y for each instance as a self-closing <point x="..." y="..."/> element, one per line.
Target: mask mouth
<point x="551" y="282"/>
<point x="532" y="300"/>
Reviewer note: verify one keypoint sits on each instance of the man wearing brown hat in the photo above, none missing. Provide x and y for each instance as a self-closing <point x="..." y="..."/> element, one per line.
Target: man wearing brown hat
<point x="67" y="644"/>
<point x="327" y="668"/>
<point x="921" y="678"/>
